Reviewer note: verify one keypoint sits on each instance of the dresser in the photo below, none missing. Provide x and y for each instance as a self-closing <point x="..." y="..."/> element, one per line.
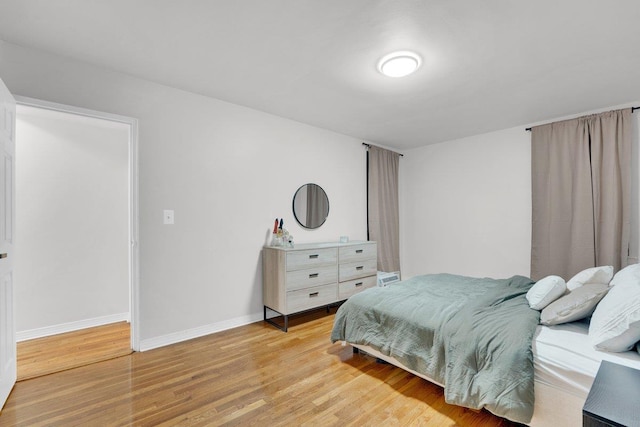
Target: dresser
<point x="308" y="276"/>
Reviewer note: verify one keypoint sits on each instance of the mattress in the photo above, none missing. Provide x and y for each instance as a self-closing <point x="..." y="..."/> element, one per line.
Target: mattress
<point x="565" y="360"/>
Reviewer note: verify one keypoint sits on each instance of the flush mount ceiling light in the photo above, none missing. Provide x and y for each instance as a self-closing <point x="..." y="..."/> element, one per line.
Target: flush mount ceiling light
<point x="399" y="64"/>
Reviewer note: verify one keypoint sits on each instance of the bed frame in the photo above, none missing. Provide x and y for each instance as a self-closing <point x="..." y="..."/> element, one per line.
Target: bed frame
<point x="553" y="407"/>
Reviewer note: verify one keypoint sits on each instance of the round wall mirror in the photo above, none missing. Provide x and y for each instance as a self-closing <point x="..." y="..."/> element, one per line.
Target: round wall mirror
<point x="310" y="206"/>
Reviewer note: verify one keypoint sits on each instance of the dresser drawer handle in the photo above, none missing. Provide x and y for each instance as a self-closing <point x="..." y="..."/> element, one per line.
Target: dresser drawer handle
<point x="315" y="294"/>
<point x="314" y="256"/>
<point x="358" y="284"/>
<point x="358" y="251"/>
<point x="360" y="267"/>
<point x="312" y="276"/>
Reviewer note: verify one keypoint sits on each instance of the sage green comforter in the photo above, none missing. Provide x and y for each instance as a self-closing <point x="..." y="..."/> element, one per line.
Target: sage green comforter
<point x="472" y="335"/>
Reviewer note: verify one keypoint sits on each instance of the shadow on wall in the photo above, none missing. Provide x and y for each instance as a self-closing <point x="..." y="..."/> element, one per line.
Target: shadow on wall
<point x="255" y="302"/>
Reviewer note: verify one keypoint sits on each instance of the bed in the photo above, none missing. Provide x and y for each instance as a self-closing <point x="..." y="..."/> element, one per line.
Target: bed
<point x="525" y="372"/>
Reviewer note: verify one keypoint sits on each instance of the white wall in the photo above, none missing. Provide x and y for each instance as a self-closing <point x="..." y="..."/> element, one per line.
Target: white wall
<point x="226" y="170"/>
<point x="71" y="218"/>
<point x="466" y="204"/>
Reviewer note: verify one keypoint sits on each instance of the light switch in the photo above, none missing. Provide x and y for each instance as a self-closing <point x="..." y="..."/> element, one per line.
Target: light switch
<point x="168" y="216"/>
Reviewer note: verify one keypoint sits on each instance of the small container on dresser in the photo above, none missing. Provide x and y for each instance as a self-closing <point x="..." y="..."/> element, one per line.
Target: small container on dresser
<point x="315" y="275"/>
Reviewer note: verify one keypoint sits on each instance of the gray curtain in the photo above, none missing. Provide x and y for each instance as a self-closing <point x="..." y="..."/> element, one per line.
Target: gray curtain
<point x="580" y="194"/>
<point x="383" y="216"/>
<point x="317" y="206"/>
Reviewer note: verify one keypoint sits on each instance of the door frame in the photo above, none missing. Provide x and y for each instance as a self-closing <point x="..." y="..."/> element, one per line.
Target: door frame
<point x="134" y="226"/>
<point x="8" y="353"/>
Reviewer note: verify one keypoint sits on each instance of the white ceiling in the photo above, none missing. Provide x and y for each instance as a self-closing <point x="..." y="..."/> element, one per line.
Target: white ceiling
<point x="487" y="65"/>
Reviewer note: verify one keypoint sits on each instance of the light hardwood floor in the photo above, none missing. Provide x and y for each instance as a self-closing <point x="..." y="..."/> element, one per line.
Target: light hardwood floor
<point x="43" y="356"/>
<point x="251" y="375"/>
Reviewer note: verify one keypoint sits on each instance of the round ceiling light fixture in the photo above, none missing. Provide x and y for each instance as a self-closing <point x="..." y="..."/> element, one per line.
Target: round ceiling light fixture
<point x="399" y="64"/>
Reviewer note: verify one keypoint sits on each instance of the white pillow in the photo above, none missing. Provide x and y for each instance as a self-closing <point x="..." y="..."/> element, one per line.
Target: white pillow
<point x="615" y="324"/>
<point x="545" y="291"/>
<point x="594" y="275"/>
<point x="630" y="273"/>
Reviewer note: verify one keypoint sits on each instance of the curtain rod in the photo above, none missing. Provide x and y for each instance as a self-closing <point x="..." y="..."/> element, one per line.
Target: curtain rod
<point x="401" y="155"/>
<point x="632" y="110"/>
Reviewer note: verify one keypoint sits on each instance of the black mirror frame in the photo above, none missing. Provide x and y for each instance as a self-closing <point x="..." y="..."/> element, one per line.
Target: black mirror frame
<point x="293" y="206"/>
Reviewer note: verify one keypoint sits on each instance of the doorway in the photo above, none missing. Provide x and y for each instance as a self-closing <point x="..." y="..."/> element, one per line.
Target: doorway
<point x="76" y="210"/>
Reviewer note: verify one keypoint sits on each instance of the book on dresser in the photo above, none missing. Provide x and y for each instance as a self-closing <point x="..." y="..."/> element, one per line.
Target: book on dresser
<point x="313" y="275"/>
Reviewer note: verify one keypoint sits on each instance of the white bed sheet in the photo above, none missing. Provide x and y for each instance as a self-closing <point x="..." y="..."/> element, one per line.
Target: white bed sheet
<point x="564" y="359"/>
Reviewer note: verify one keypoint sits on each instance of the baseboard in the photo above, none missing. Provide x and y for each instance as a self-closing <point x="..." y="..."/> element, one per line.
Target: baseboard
<point x="71" y="326"/>
<point x="176" y="337"/>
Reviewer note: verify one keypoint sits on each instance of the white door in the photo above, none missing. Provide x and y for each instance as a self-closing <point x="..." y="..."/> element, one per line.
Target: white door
<point x="7" y="210"/>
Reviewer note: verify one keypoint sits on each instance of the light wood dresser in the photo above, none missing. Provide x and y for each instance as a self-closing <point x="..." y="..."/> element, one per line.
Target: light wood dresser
<point x="308" y="276"/>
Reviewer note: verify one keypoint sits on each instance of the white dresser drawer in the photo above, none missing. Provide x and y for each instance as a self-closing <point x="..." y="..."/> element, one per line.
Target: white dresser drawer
<point x="352" y="287"/>
<point x="299" y="260"/>
<point x="304" y="299"/>
<point x="316" y="276"/>
<point x="312" y="275"/>
<point x="355" y="270"/>
<point x="360" y="252"/>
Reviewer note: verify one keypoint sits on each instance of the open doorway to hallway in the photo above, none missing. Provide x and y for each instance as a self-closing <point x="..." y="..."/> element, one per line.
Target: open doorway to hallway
<point x="73" y="294"/>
